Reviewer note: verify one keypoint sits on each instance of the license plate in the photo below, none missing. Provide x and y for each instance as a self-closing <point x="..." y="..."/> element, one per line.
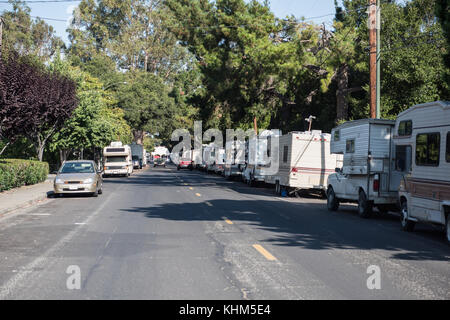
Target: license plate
<point x="115" y="172"/>
<point x="73" y="188"/>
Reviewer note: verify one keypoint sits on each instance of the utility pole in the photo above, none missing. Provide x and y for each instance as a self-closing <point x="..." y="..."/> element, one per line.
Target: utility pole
<point x="378" y="59"/>
<point x="373" y="56"/>
<point x="255" y="125"/>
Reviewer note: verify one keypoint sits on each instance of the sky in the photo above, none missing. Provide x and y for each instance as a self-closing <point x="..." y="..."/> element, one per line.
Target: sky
<point x="314" y="10"/>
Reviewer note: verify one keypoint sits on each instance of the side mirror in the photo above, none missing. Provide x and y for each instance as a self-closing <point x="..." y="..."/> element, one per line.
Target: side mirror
<point x="337" y="170"/>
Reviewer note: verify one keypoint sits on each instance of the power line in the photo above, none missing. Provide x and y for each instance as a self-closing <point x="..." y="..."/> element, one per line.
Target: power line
<point x="44" y="1"/>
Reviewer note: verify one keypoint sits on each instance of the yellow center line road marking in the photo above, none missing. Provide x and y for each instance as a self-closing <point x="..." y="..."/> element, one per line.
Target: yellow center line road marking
<point x="264" y="252"/>
<point x="190" y="188"/>
<point x="228" y="221"/>
<point x="198" y="194"/>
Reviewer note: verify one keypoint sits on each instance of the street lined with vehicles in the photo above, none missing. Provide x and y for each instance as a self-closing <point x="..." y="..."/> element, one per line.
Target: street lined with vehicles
<point x="215" y="239"/>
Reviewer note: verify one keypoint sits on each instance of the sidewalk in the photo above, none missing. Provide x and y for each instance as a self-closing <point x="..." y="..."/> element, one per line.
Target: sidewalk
<point x="21" y="197"/>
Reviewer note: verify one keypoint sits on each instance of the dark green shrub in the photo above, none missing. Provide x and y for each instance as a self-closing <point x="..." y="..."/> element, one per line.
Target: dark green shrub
<point x="16" y="173"/>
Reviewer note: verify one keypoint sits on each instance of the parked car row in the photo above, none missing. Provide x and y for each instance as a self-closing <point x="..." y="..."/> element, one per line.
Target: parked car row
<point x="400" y="165"/>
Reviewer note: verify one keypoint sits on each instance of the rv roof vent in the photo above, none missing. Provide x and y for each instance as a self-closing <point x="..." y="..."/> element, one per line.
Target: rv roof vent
<point x="316" y="132"/>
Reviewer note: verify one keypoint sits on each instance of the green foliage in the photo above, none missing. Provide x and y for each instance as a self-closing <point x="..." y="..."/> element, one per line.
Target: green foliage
<point x="27" y="36"/>
<point x="16" y="173"/>
<point x="147" y="104"/>
<point x="93" y="123"/>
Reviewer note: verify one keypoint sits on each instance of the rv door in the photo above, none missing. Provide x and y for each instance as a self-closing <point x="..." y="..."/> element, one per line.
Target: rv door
<point x="401" y="165"/>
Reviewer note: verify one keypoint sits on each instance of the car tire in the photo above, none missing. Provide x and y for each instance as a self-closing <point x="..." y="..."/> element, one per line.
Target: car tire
<point x="100" y="191"/>
<point x="407" y="225"/>
<point x="332" y="200"/>
<point x="364" y="206"/>
<point x="178" y="168"/>
<point x="95" y="194"/>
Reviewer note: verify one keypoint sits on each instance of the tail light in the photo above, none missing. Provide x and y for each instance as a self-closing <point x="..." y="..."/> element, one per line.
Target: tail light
<point x="376" y="183"/>
<point x="295" y="170"/>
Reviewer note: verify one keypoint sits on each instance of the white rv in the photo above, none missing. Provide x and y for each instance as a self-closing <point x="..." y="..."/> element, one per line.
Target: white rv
<point x="305" y="162"/>
<point x="117" y="159"/>
<point x="422" y="138"/>
<point x="235" y="159"/>
<point x="368" y="174"/>
<point x="253" y="172"/>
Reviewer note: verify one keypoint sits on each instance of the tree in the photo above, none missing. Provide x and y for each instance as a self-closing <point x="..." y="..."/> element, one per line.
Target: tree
<point x="26" y="36"/>
<point x="34" y="103"/>
<point x="93" y="124"/>
<point x="147" y="105"/>
<point x="132" y="32"/>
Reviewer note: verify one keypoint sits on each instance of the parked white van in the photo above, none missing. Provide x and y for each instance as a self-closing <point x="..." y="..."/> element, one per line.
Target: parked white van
<point x="305" y="162"/>
<point x="368" y="174"/>
<point x="422" y="138"/>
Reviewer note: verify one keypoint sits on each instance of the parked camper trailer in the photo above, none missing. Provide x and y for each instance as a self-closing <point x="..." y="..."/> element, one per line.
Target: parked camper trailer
<point x="255" y="155"/>
<point x="422" y="138"/>
<point x="305" y="162"/>
<point x="117" y="159"/>
<point x="368" y="175"/>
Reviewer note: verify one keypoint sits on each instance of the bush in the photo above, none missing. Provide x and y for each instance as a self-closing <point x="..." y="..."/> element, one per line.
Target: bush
<point x="16" y="173"/>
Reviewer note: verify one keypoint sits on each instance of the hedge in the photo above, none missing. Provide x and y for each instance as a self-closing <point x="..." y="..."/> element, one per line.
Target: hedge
<point x="16" y="173"/>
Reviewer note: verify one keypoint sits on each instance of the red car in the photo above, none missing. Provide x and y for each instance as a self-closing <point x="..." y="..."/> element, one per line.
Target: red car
<point x="185" y="164"/>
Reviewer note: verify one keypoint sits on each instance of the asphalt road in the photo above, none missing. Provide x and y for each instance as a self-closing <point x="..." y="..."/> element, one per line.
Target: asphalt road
<point x="167" y="234"/>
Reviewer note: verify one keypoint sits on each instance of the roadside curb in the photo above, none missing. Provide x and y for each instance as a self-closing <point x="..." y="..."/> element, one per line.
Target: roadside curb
<point x="37" y="198"/>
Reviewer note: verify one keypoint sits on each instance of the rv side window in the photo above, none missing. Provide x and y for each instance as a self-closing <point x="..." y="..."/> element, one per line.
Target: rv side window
<point x="285" y="154"/>
<point x="427" y="149"/>
<point x="405" y="128"/>
<point x="337" y="135"/>
<point x="350" y="146"/>
<point x="447" y="153"/>
<point x="403" y="158"/>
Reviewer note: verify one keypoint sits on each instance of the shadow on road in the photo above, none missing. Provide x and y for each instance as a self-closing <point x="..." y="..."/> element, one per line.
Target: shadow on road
<point x="310" y="227"/>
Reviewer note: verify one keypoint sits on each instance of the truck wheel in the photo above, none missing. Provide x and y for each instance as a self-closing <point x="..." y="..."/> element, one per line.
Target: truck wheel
<point x="178" y="168"/>
<point x="364" y="206"/>
<point x="407" y="225"/>
<point x="332" y="201"/>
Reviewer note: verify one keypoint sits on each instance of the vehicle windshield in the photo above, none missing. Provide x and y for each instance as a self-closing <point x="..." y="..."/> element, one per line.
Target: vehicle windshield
<point x="135" y="158"/>
<point x="116" y="159"/>
<point x="78" y="167"/>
